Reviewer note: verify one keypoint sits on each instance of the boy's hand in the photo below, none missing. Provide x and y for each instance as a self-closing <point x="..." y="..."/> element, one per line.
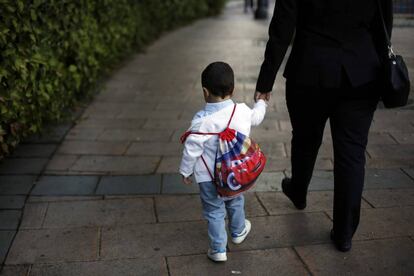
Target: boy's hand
<point x="187" y="180"/>
<point x="262" y="96"/>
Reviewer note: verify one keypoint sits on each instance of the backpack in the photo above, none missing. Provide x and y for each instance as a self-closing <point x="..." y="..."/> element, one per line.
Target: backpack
<point x="238" y="163"/>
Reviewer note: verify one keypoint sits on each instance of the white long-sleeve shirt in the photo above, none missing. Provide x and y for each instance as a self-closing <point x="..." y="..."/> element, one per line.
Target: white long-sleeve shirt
<point x="206" y="145"/>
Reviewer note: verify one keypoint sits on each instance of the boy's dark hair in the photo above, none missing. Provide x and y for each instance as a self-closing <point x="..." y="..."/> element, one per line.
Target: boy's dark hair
<point x="218" y="78"/>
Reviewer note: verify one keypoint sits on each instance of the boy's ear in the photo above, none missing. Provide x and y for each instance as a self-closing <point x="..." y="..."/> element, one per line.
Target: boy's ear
<point x="206" y="92"/>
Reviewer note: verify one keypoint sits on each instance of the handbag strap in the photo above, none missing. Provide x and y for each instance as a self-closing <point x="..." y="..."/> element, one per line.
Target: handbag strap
<point x="387" y="36"/>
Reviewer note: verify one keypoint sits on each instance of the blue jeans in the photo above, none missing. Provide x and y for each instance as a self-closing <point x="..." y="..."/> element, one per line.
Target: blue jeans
<point x="214" y="211"/>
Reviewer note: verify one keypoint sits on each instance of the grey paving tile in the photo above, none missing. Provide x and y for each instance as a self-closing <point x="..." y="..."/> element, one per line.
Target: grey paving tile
<point x="374" y="179"/>
<point x="110" y="123"/>
<point x="65" y="185"/>
<point x="389" y="163"/>
<point x="153" y="240"/>
<point x="376" y="257"/>
<point x="277" y="164"/>
<point x="172" y="184"/>
<point x="61" y="162"/>
<point x="116" y="164"/>
<point x="381" y="223"/>
<point x="34" y="150"/>
<point x="167" y="123"/>
<point x="268" y="182"/>
<point x="252" y="206"/>
<point x="16" y="184"/>
<point x="389" y="178"/>
<point x="188" y="207"/>
<point x="178" y="208"/>
<point x="85" y="133"/>
<point x="142" y="184"/>
<point x="34" y="215"/>
<point x="15" y="270"/>
<point x="92" y="148"/>
<point x="272" y="150"/>
<point x="321" y="180"/>
<point x="135" y="135"/>
<point x="278" y="203"/>
<point x="282" y="164"/>
<point x="9" y="219"/>
<point x="6" y="238"/>
<point x="394" y="125"/>
<point x="39" y="199"/>
<point x="403" y="138"/>
<point x="389" y="197"/>
<point x="286" y="230"/>
<point x="130" y="267"/>
<point x="375" y="138"/>
<point x="169" y="164"/>
<point x="110" y="212"/>
<point x="155" y="149"/>
<point x="391" y="151"/>
<point x="54" y="245"/>
<point x="12" y="202"/>
<point x="282" y="261"/>
<point x="22" y="165"/>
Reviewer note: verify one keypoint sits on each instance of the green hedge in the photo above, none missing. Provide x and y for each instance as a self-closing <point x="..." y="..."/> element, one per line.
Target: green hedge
<point x="54" y="51"/>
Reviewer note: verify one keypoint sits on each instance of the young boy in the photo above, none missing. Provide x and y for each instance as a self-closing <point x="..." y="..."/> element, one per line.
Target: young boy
<point x="218" y="84"/>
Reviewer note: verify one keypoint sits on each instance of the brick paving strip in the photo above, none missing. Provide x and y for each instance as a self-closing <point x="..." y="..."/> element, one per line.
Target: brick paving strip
<point x="101" y="196"/>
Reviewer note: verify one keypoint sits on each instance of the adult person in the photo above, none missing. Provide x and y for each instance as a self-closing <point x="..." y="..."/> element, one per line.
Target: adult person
<point x="333" y="73"/>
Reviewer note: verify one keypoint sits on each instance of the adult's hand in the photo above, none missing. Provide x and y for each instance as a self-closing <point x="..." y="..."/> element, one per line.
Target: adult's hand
<point x="264" y="96"/>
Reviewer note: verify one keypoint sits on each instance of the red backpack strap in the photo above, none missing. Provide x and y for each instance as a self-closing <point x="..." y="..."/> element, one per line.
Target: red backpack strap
<point x="188" y="133"/>
<point x="208" y="170"/>
<point x="232" y="114"/>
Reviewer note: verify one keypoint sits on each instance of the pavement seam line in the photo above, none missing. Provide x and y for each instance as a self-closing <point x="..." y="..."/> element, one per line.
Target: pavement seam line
<point x="261" y="204"/>
<point x="99" y="251"/>
<point x="369" y="203"/>
<point x="327" y="215"/>
<point x="302" y="260"/>
<point x="161" y="184"/>
<point x="407" y="174"/>
<point x="167" y="265"/>
<point x="154" y="205"/>
<point x="44" y="216"/>
<point x="393" y="138"/>
<point x="97" y="185"/>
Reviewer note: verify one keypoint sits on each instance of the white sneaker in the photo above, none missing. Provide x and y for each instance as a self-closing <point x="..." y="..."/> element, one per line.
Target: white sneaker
<point x="217" y="257"/>
<point x="242" y="236"/>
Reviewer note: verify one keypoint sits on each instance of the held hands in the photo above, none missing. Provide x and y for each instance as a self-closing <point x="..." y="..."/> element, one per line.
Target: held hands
<point x="262" y="96"/>
<point x="187" y="180"/>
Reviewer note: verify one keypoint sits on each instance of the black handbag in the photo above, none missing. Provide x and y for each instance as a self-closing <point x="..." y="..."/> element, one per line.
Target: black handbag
<point x="397" y="80"/>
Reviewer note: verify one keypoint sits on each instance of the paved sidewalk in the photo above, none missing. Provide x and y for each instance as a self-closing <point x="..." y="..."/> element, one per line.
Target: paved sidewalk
<point x="102" y="197"/>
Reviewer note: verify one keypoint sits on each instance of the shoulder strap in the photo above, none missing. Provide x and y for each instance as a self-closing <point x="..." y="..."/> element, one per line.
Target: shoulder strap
<point x="208" y="170"/>
<point x="188" y="133"/>
<point x="387" y="36"/>
<point x="232" y="114"/>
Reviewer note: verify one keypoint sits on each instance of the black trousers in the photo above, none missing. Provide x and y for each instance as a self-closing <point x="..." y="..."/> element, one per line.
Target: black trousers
<point x="350" y="112"/>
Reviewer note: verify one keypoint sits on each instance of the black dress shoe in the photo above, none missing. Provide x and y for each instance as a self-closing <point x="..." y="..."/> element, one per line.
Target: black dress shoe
<point x="342" y="245"/>
<point x="287" y="190"/>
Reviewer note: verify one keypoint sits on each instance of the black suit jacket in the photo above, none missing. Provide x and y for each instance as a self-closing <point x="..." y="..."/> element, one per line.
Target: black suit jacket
<point x="332" y="37"/>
